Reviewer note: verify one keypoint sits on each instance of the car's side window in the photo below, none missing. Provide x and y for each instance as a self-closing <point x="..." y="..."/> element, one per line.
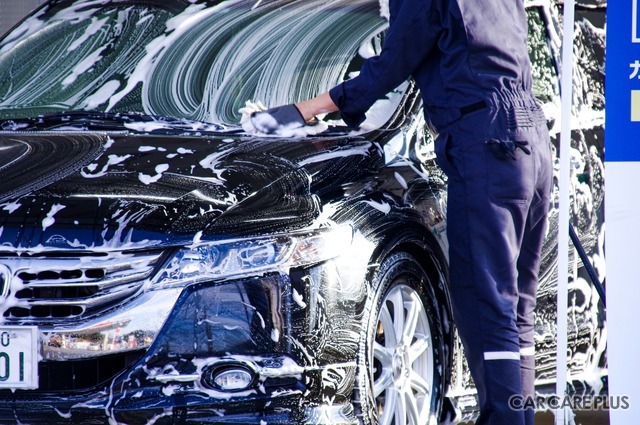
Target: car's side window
<point x="543" y="67"/>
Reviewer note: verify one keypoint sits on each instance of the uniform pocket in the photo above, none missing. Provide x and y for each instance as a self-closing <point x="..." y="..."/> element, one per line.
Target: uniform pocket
<point x="511" y="171"/>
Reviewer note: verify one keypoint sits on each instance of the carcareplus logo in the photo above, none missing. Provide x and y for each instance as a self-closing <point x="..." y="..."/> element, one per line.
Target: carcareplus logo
<point x="575" y="402"/>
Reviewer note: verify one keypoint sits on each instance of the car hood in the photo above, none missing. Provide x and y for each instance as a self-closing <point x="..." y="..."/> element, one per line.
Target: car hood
<point x="84" y="190"/>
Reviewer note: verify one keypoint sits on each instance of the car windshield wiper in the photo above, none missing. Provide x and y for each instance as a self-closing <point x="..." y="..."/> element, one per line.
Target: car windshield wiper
<point x="107" y="121"/>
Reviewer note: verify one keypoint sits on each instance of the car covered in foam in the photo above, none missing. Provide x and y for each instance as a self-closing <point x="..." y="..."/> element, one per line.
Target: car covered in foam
<point x="158" y="265"/>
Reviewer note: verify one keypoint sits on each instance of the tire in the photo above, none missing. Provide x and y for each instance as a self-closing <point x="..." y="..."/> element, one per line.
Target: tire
<point x="401" y="355"/>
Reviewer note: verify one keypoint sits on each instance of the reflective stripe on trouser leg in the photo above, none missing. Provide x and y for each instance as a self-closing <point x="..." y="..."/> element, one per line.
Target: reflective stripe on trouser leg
<point x="501" y="355"/>
<point x="528" y="351"/>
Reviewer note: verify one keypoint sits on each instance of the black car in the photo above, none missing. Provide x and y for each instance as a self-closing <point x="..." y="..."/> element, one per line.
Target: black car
<point x="159" y="266"/>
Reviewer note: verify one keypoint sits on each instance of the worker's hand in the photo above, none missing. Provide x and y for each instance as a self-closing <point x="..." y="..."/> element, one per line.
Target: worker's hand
<point x="286" y="121"/>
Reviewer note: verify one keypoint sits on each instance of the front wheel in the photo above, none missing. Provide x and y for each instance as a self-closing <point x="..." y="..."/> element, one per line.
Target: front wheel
<point x="400" y="362"/>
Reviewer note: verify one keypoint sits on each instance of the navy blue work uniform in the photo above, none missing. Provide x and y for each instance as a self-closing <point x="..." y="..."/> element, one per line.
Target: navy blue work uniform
<point x="471" y="63"/>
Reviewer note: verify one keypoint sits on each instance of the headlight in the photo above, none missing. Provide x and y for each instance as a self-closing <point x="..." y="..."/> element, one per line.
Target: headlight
<point x="239" y="257"/>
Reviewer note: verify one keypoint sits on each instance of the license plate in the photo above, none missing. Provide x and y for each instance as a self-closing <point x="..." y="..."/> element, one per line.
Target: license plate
<point x="19" y="357"/>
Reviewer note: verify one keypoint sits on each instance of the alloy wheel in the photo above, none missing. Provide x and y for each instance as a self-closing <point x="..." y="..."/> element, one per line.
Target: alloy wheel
<point x="403" y="360"/>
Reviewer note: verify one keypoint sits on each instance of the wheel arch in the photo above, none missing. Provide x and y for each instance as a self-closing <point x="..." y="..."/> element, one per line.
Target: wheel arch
<point x="414" y="239"/>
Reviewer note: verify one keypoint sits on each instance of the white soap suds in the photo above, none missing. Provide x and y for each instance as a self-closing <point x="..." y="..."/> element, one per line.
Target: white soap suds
<point x="49" y="220"/>
<point x="147" y="179"/>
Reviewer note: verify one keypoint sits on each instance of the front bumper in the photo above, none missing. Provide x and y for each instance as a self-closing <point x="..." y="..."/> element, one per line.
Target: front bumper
<point x="254" y="323"/>
<point x="274" y="411"/>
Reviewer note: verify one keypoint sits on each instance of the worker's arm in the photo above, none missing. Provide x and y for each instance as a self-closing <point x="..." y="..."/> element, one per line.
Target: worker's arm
<point x="322" y="104"/>
<point x="413" y="31"/>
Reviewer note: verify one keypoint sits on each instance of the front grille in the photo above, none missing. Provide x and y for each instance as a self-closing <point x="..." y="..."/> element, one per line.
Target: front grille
<point x="50" y="288"/>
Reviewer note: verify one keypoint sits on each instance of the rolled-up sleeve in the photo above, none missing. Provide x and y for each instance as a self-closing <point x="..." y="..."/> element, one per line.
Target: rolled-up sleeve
<point x="410" y="38"/>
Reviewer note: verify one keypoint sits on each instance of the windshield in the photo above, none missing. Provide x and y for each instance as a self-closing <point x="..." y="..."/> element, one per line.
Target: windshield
<point x="199" y="63"/>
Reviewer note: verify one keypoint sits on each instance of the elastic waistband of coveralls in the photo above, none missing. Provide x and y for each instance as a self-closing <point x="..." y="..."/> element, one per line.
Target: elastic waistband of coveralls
<point x="516" y="102"/>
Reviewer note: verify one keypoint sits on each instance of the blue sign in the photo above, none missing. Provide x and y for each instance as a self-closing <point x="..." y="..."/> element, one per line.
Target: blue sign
<point x="622" y="81"/>
<point x="635" y="34"/>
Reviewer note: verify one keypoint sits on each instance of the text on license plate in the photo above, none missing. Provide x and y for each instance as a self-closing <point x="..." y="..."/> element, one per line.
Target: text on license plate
<point x="19" y="357"/>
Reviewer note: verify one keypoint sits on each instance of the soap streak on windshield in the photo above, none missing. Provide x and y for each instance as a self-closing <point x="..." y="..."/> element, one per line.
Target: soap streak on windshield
<point x="200" y="64"/>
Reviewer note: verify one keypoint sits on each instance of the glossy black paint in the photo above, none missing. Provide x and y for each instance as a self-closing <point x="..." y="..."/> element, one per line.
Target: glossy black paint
<point x="210" y="184"/>
<point x="224" y="187"/>
<point x="165" y="187"/>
